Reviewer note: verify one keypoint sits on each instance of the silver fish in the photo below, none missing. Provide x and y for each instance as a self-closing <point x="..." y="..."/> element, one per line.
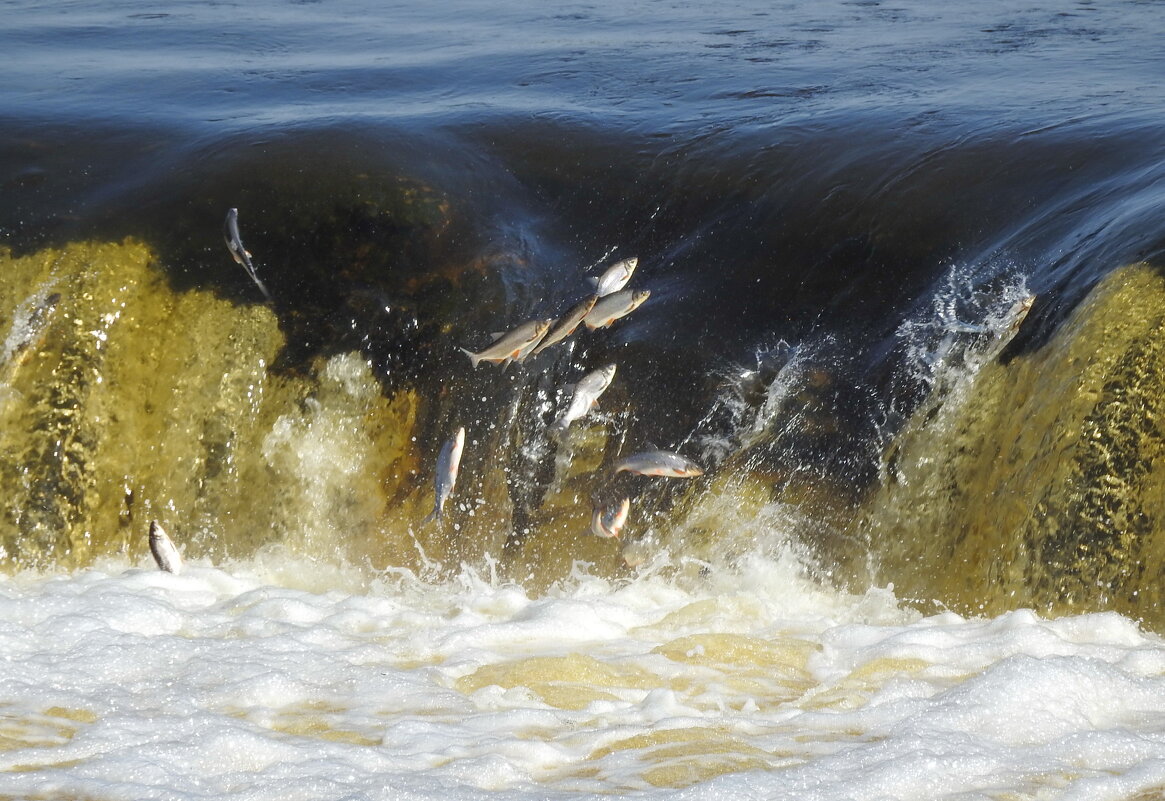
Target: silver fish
<point x="615" y="277"/>
<point x="512" y="346"/>
<point x="528" y="349"/>
<point x="447" y="464"/>
<point x="165" y="554"/>
<point x="30" y="323"/>
<point x="586" y="395"/>
<point x="1018" y="313"/>
<point x="230" y="233"/>
<point x="660" y="463"/>
<point x="612" y="307"/>
<point x="565" y="326"/>
<point x="608" y="521"/>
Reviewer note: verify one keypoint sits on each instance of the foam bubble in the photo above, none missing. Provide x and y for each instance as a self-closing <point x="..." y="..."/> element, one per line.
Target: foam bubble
<point x="117" y="681"/>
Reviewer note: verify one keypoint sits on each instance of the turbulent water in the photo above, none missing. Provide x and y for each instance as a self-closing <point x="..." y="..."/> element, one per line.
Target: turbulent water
<point x="905" y="312"/>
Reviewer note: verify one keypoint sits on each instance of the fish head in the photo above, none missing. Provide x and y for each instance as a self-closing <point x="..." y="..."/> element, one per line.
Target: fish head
<point x="608" y="373"/>
<point x="689" y="469"/>
<point x="639" y="296"/>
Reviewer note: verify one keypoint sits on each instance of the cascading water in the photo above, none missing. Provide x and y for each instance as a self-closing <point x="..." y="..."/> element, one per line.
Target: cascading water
<point x="905" y="300"/>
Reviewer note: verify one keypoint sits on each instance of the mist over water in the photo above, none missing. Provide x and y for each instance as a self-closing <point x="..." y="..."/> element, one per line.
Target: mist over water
<point x="904" y="263"/>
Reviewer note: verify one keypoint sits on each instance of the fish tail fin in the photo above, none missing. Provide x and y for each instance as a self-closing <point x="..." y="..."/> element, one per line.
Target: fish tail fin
<point x="473" y="357"/>
<point x="262" y="288"/>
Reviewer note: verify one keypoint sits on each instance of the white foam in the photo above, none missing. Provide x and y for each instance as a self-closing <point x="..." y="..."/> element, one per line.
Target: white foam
<point x="122" y="682"/>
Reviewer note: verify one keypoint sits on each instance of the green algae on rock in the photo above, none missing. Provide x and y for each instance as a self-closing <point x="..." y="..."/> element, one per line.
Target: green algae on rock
<point x="126" y="399"/>
<point x="127" y="406"/>
<point x="137" y="401"/>
<point x="1040" y="482"/>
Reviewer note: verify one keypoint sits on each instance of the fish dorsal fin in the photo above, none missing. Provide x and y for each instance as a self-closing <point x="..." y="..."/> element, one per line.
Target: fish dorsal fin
<point x="494" y="336"/>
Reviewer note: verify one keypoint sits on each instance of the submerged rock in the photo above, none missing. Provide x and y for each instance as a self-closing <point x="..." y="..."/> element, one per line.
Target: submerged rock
<point x="1040" y="482"/>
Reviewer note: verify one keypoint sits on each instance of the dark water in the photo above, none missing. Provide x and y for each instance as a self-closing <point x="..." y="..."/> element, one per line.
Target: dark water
<point x="674" y="128"/>
<point x="798" y="172"/>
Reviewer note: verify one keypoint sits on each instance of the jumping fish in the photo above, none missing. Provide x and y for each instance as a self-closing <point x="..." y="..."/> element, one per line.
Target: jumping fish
<point x="447" y="463"/>
<point x="29" y="324"/>
<point x="230" y="233"/>
<point x="615" y="277"/>
<point x="1009" y="325"/>
<point x="612" y="307"/>
<point x="608" y="521"/>
<point x="586" y="395"/>
<point x="565" y="327"/>
<point x="660" y="463"/>
<point x="527" y="350"/>
<point x="1018" y="313"/>
<point x="163" y="549"/>
<point x="512" y="346"/>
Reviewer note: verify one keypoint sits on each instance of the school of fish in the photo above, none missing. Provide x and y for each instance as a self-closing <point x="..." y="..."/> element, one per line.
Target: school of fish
<point x="610" y="301"/>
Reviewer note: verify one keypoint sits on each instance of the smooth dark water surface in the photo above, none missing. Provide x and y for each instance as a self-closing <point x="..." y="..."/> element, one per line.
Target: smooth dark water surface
<point x="661" y="125"/>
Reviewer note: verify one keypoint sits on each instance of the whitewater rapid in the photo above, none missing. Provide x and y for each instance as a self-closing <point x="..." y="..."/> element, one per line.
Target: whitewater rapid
<point x="283" y="678"/>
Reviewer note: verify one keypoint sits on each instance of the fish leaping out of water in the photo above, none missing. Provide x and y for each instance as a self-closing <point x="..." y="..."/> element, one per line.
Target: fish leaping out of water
<point x="566" y="325"/>
<point x="608" y="521"/>
<point x="615" y="277"/>
<point x="164" y="551"/>
<point x="511" y="347"/>
<point x="448" y="463"/>
<point x="230" y="233"/>
<point x="586" y="395"/>
<point x="614" y="306"/>
<point x="660" y="463"/>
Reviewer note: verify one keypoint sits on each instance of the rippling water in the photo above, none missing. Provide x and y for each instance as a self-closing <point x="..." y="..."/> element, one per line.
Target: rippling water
<point x="892" y="313"/>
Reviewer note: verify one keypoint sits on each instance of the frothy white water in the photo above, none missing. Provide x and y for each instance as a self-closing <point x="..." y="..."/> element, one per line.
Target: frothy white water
<point x="129" y="683"/>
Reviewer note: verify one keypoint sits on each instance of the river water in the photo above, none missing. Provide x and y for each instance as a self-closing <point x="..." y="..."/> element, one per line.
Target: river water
<point x="905" y="303"/>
